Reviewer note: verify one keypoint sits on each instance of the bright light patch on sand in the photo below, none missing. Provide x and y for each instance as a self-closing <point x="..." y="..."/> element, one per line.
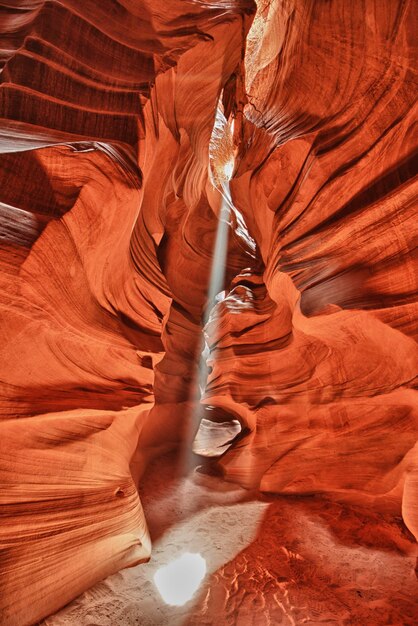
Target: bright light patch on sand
<point x="179" y="580"/>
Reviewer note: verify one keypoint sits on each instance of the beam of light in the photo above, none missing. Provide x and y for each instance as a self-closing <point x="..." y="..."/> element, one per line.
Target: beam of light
<point x="178" y="581"/>
<point x="211" y="438"/>
<point x="217" y="275"/>
<point x="221" y="169"/>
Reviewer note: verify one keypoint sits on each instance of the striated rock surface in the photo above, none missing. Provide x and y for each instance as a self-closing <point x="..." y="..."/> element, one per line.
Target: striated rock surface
<point x="119" y="124"/>
<point x="103" y="275"/>
<point x="315" y="352"/>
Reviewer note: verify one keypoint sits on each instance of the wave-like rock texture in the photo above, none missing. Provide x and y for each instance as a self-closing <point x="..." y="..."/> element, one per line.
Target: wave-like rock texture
<point x="106" y="238"/>
<point x="109" y="215"/>
<point x="315" y="353"/>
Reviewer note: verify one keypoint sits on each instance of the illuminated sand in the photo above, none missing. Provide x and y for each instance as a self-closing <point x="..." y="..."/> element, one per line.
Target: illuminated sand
<point x="284" y="561"/>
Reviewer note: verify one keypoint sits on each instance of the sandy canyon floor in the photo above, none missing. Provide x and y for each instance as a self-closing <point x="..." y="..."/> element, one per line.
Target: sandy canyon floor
<point x="270" y="561"/>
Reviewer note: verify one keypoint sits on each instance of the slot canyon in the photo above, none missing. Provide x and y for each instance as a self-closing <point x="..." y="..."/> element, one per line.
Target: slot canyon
<point x="208" y="313"/>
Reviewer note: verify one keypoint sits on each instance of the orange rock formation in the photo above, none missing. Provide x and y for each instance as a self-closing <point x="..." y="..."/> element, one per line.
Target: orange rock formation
<point x="110" y="199"/>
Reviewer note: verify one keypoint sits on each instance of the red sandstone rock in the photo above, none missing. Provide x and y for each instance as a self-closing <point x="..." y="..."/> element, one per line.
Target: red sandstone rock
<point x="325" y="182"/>
<point x="108" y="224"/>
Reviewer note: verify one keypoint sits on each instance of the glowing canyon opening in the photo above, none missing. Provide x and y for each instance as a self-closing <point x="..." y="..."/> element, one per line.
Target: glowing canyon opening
<point x="208" y="313"/>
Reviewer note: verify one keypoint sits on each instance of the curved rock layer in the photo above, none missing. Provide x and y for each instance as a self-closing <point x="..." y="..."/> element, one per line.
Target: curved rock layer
<point x="325" y="180"/>
<point x="101" y="274"/>
<point x="109" y="215"/>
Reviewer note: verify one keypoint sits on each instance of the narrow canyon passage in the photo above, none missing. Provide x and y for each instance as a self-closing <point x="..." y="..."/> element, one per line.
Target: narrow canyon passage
<point x="208" y="313"/>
